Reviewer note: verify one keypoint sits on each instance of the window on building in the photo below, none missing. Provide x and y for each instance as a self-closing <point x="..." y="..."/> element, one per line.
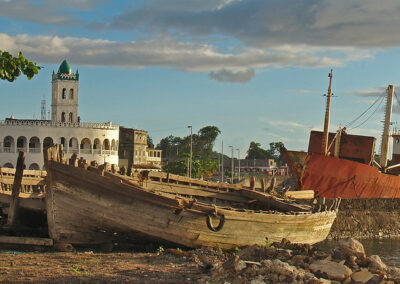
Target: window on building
<point x="64" y="93"/>
<point x="397" y="140"/>
<point x="63" y="117"/>
<point x="63" y="141"/>
<point x="71" y="94"/>
<point x="20" y="142"/>
<point x="71" y="117"/>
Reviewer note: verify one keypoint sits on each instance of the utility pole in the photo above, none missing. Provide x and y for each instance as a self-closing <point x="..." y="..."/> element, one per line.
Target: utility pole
<point x="191" y="150"/>
<point x="222" y="163"/>
<point x="233" y="169"/>
<point x="239" y="164"/>
<point x="324" y="150"/>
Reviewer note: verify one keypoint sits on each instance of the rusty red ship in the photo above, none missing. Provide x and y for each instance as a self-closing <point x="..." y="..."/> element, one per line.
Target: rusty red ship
<point x="343" y="165"/>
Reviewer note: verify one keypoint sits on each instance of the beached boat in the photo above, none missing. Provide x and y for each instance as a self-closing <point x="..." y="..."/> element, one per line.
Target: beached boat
<point x="86" y="205"/>
<point x="346" y="168"/>
<point x="32" y="193"/>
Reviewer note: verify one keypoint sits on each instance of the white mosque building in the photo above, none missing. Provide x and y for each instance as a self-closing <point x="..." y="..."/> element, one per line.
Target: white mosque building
<point x="92" y="141"/>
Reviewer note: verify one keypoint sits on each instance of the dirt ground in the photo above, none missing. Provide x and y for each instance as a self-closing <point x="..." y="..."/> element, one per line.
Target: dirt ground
<point x="89" y="267"/>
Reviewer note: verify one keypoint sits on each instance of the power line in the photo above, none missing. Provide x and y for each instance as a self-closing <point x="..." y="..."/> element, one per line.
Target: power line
<point x="370" y="115"/>
<point x="380" y="98"/>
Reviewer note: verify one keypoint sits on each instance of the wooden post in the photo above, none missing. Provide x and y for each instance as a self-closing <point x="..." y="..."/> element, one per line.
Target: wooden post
<point x="13" y="210"/>
<point x="386" y="128"/>
<point x="252" y="183"/>
<point x="324" y="150"/>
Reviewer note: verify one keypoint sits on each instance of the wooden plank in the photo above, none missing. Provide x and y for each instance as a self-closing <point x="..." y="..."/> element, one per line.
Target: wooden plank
<point x="300" y="194"/>
<point x="13" y="211"/>
<point x="26" y="241"/>
<point x="274" y="202"/>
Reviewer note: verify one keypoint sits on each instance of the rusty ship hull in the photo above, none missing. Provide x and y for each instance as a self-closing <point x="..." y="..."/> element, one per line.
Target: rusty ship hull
<point x="332" y="177"/>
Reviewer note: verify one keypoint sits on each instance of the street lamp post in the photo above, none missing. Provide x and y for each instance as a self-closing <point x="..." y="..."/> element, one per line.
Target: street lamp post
<point x="191" y="150"/>
<point x="233" y="169"/>
<point x="222" y="163"/>
<point x="239" y="164"/>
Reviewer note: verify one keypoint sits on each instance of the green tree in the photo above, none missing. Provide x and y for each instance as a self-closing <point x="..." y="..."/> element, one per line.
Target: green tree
<point x="11" y="67"/>
<point x="256" y="152"/>
<point x="206" y="139"/>
<point x="275" y="153"/>
<point x="150" y="143"/>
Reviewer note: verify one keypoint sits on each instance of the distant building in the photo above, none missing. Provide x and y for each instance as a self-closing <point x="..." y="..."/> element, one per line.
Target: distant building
<point x="134" y="151"/>
<point x="92" y="141"/>
<point x="266" y="166"/>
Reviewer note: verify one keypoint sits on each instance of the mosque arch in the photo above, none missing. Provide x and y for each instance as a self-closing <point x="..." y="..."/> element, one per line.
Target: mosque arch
<point x="96" y="146"/>
<point x="8" y="165"/>
<point x="34" y="145"/>
<point x="86" y="146"/>
<point x="106" y="144"/>
<point x="47" y="142"/>
<point x="34" y="167"/>
<point x="8" y="144"/>
<point x="21" y="143"/>
<point x="73" y="145"/>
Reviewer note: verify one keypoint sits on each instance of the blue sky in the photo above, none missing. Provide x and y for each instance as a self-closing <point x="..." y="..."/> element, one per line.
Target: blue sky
<point x="257" y="69"/>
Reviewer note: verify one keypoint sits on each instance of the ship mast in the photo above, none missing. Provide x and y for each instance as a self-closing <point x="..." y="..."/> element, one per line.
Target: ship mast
<point x="386" y="128"/>
<point x="324" y="150"/>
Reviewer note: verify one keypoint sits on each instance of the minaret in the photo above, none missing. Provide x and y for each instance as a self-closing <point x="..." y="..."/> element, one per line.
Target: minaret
<point x="64" y="99"/>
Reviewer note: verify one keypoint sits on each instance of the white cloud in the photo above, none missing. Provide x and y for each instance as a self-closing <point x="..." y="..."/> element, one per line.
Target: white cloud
<point x="288" y="124"/>
<point x="300" y="91"/>
<point x="164" y="52"/>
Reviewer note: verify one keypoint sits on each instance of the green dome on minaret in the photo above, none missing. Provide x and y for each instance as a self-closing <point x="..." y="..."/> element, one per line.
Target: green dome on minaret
<point x="64" y="68"/>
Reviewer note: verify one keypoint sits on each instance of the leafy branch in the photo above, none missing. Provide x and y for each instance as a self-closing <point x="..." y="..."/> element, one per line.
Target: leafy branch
<point x="11" y="67"/>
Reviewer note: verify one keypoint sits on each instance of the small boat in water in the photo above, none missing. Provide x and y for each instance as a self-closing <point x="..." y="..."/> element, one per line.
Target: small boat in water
<point x="87" y="205"/>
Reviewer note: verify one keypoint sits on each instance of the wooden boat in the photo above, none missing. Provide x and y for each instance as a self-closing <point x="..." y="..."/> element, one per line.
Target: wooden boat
<point x="32" y="194"/>
<point x="86" y="205"/>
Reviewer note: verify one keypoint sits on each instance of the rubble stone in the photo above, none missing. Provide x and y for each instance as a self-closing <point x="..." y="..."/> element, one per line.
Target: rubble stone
<point x="332" y="270"/>
<point x="362" y="276"/>
<point x="352" y="247"/>
<point x="376" y="265"/>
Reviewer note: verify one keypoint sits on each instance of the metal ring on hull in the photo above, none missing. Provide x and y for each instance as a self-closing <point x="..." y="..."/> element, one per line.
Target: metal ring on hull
<point x="220" y="225"/>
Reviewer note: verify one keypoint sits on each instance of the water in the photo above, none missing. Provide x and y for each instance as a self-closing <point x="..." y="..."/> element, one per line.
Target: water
<point x="388" y="250"/>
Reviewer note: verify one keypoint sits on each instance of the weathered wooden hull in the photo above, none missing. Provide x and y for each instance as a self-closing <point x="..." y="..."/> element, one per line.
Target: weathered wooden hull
<point x="32" y="196"/>
<point x="332" y="177"/>
<point x="86" y="208"/>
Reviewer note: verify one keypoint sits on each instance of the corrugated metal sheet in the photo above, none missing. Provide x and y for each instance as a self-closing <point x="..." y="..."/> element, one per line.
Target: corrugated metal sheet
<point x="332" y="177"/>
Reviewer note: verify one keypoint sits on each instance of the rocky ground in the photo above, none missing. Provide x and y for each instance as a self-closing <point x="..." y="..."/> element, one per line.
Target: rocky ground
<point x="278" y="263"/>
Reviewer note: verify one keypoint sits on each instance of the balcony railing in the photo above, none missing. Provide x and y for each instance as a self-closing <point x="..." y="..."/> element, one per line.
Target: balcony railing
<point x="67" y="151"/>
<point x="7" y="150"/>
<point x="85" y="151"/>
<point x="107" y="125"/>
